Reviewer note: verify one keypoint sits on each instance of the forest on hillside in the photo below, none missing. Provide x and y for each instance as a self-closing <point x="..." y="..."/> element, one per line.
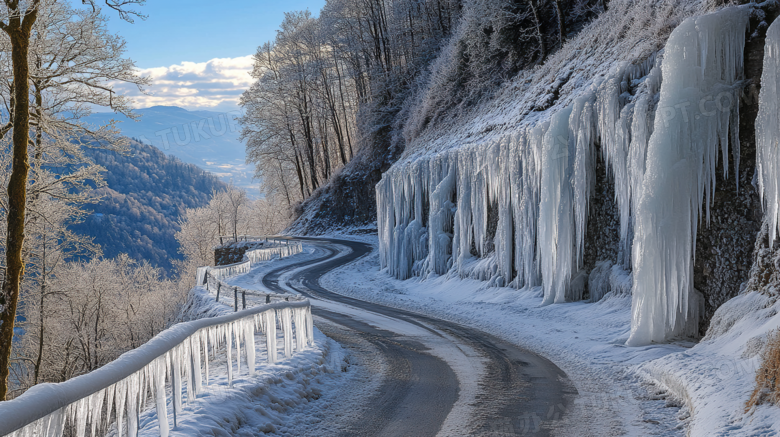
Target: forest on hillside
<point x="139" y="208"/>
<point x="365" y="78"/>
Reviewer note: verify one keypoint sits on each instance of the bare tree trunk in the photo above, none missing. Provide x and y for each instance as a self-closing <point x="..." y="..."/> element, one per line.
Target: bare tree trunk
<point x="538" y="26"/>
<point x="561" y="22"/>
<point x="343" y="106"/>
<point x="41" y="333"/>
<point x="18" y="29"/>
<point x="301" y="177"/>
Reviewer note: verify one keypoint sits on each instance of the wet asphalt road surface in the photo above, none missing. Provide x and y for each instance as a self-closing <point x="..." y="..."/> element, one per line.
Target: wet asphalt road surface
<point x="438" y="377"/>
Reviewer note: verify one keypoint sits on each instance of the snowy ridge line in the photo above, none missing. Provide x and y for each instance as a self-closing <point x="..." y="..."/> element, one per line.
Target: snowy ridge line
<point x="121" y="386"/>
<point x="513" y="210"/>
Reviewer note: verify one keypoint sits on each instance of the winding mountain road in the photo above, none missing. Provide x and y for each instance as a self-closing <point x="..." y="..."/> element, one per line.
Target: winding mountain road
<point x="436" y="377"/>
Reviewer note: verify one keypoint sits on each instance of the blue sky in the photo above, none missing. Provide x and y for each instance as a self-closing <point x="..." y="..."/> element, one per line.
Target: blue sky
<point x="198" y="52"/>
<point x="200" y="30"/>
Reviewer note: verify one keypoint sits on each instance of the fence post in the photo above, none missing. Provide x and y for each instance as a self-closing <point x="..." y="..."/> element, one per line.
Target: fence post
<point x="219" y="285"/>
<point x="243" y="298"/>
<point x="235" y="299"/>
<point x="267" y="298"/>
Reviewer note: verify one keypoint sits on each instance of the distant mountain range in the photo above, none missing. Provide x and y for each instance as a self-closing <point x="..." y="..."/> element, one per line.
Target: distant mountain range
<point x="203" y="138"/>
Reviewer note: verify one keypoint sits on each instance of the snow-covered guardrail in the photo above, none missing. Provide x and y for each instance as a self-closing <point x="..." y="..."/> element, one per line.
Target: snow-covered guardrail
<point x="283" y="249"/>
<point x="117" y="392"/>
<point x="235" y="239"/>
<point x="269" y="253"/>
<point x="229" y="270"/>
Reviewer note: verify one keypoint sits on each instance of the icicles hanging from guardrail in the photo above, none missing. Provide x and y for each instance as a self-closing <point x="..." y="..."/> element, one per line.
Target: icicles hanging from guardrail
<point x="228" y="270"/>
<point x="177" y="359"/>
<point x="269" y="253"/>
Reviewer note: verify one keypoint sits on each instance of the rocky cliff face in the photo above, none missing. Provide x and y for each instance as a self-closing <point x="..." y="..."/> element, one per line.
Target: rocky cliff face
<point x="724" y="248"/>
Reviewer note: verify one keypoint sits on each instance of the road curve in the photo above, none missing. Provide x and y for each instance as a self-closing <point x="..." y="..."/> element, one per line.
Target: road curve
<point x="441" y="377"/>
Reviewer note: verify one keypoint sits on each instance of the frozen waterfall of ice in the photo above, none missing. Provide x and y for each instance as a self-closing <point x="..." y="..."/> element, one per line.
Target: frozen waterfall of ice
<point x="513" y="207"/>
<point x="768" y="131"/>
<point x="696" y="121"/>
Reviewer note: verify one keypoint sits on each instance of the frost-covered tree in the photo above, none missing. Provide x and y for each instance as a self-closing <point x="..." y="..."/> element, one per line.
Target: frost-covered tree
<point x="200" y="227"/>
<point x="94" y="312"/>
<point x="28" y="27"/>
<point x="368" y="76"/>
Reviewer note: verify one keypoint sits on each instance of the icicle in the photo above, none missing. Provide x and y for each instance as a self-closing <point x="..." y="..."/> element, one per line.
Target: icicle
<point x="195" y="347"/>
<point x="205" y="338"/>
<point x="556" y="211"/>
<point x="235" y="333"/>
<point x="228" y="335"/>
<point x="768" y="131"/>
<point x="286" y="316"/>
<point x="309" y="326"/>
<point x="249" y="345"/>
<point x="176" y="376"/>
<point x="187" y="360"/>
<point x="110" y="395"/>
<point x="135" y="386"/>
<point x="270" y="335"/>
<point x="582" y="127"/>
<point x="702" y="64"/>
<point x="159" y="391"/>
<point x="300" y="328"/>
<point x="95" y="403"/>
<point x="120" y="398"/>
<point x="81" y="409"/>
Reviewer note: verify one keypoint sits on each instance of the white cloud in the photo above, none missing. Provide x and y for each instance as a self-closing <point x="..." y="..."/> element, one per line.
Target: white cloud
<point x="215" y="84"/>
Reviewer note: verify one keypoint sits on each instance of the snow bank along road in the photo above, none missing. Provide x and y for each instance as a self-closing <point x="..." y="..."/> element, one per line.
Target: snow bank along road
<point x="437" y="377"/>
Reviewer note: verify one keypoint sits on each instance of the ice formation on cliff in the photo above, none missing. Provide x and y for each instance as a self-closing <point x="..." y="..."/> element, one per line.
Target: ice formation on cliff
<point x="512" y="208"/>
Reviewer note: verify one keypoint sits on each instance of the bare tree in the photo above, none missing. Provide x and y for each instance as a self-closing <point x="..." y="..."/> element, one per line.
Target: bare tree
<point x="17" y="20"/>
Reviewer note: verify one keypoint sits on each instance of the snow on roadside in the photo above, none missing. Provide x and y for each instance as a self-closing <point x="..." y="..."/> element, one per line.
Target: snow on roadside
<point x="258" y="405"/>
<point x="262" y="404"/>
<point x="661" y="389"/>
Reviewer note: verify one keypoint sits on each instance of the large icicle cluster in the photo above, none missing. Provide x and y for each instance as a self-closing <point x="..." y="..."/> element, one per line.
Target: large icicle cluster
<point x="513" y="208"/>
<point x="768" y="130"/>
<point x="184" y="366"/>
<point x="698" y="118"/>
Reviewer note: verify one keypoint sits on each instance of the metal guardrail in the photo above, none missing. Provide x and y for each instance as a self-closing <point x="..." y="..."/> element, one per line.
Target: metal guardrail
<point x="118" y="392"/>
<point x="180" y="353"/>
<point x="268" y="253"/>
<point x="236" y="239"/>
<point x="223" y="289"/>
